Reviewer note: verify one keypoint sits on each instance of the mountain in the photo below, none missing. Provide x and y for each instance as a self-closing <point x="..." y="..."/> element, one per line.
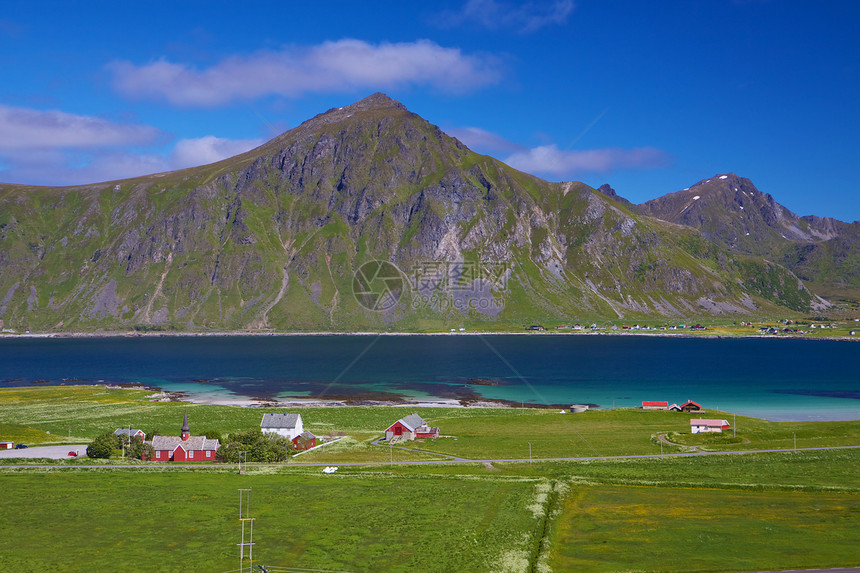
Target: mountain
<point x="730" y="211"/>
<point x="365" y="217"/>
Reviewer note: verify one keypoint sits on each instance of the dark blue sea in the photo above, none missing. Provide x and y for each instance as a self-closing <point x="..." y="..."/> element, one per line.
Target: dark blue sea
<point x="777" y="379"/>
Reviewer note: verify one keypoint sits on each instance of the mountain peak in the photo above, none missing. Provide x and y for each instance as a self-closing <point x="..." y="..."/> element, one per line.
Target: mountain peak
<point x="376" y="101"/>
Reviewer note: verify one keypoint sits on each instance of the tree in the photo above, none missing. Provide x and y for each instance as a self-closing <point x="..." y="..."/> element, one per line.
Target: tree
<point x="134" y="448"/>
<point x="103" y="446"/>
<point x="212" y="435"/>
<point x="259" y="447"/>
<point x="147" y="452"/>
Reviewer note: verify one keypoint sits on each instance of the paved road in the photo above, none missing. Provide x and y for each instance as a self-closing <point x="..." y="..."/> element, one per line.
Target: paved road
<point x="53" y="452"/>
<point x="443" y="461"/>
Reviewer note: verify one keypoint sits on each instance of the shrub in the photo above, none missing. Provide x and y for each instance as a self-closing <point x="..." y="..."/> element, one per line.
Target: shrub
<point x="259" y="447"/>
<point x="212" y="435"/>
<point x="103" y="446"/>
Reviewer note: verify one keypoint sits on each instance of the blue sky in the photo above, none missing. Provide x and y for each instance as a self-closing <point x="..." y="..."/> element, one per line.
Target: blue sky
<point x="649" y="97"/>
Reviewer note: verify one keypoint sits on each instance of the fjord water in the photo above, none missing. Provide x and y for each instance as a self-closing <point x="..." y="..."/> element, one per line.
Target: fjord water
<point x="769" y="378"/>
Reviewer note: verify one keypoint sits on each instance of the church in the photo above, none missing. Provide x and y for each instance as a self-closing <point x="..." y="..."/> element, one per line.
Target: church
<point x="185" y="447"/>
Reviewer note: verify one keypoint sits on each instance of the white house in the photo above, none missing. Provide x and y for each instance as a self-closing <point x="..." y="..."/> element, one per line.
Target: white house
<point x="699" y="425"/>
<point x="287" y="425"/>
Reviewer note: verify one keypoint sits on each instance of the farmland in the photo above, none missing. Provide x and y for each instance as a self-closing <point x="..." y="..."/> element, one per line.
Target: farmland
<point x="790" y="509"/>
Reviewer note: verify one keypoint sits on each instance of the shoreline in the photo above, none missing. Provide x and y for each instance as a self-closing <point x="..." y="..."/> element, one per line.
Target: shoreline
<point x="161" y="395"/>
<point x="226" y="334"/>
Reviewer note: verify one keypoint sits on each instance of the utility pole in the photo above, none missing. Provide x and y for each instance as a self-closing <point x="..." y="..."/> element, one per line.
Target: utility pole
<point x="530" y="452"/>
<point x="391" y="451"/>
<point x="795" y="440"/>
<point x="244" y="517"/>
<point x="734" y="425"/>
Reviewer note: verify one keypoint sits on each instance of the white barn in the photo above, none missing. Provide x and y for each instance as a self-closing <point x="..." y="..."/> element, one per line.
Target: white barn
<point x="700" y="425"/>
<point x="287" y="425"/>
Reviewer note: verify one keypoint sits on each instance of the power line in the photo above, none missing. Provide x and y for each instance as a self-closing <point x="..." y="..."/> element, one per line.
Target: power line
<point x="245" y="518"/>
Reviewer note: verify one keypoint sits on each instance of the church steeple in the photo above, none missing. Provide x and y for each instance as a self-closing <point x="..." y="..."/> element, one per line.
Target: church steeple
<point x="186" y="431"/>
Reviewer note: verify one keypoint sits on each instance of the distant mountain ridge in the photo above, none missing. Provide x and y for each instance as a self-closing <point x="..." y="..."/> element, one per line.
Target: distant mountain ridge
<point x="732" y="212"/>
<point x="275" y="238"/>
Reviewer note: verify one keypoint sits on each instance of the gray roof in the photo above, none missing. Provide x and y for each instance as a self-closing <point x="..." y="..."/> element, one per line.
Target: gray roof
<point x="307" y="435"/>
<point x="126" y="432"/>
<point x="196" y="443"/>
<point x="413" y="421"/>
<point x="288" y="421"/>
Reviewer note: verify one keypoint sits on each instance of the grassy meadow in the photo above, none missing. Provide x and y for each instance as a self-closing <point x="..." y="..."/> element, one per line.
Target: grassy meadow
<point x="187" y="521"/>
<point x="744" y="512"/>
<point x="634" y="528"/>
<point x="75" y="414"/>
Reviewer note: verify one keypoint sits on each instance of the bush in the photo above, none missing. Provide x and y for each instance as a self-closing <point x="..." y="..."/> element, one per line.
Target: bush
<point x="212" y="435"/>
<point x="103" y="446"/>
<point x="136" y="448"/>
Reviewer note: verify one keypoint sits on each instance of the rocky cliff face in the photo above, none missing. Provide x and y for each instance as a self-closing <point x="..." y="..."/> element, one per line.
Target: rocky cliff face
<point x="730" y="211"/>
<point x="273" y="239"/>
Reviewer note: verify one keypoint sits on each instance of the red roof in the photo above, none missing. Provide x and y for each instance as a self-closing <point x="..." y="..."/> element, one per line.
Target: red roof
<point x="655" y="403"/>
<point x="691" y="403"/>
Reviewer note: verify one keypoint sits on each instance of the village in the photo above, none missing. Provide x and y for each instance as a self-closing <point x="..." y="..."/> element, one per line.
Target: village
<point x="282" y="436"/>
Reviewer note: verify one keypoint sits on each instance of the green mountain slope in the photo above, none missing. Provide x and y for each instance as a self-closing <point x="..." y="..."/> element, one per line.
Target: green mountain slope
<point x="272" y="239"/>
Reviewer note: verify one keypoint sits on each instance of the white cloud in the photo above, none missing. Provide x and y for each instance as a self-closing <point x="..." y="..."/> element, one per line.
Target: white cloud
<point x="482" y="140"/>
<point x="58" y="148"/>
<point x="209" y="149"/>
<point x="24" y="128"/>
<point x="549" y="160"/>
<point x="524" y="17"/>
<point x="342" y="66"/>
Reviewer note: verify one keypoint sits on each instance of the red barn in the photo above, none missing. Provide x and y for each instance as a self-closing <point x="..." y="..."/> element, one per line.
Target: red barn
<point x="304" y="441"/>
<point x="411" y="427"/>
<point x="184" y="447"/>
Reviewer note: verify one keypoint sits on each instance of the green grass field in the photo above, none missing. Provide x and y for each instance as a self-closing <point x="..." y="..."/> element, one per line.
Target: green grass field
<point x="628" y="528"/>
<point x="743" y="512"/>
<point x="187" y="521"/>
<point x="71" y="414"/>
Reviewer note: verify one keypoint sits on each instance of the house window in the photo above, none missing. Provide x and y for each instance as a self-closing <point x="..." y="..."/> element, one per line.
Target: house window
<point x="208" y="454"/>
<point x="158" y="454"/>
<point x="190" y="455"/>
<point x="398" y="431"/>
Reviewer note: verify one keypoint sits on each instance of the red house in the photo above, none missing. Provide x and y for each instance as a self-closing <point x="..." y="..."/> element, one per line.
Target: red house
<point x="184" y="448"/>
<point x="129" y="433"/>
<point x="690" y="406"/>
<point x="304" y="441"/>
<point x="654" y="405"/>
<point x="411" y="427"/>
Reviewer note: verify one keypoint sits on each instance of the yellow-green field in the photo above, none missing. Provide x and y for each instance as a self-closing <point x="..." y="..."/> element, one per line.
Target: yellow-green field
<point x="628" y="528"/>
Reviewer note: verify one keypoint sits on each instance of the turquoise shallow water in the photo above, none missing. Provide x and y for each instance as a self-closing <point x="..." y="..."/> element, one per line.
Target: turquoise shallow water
<point x="769" y="378"/>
